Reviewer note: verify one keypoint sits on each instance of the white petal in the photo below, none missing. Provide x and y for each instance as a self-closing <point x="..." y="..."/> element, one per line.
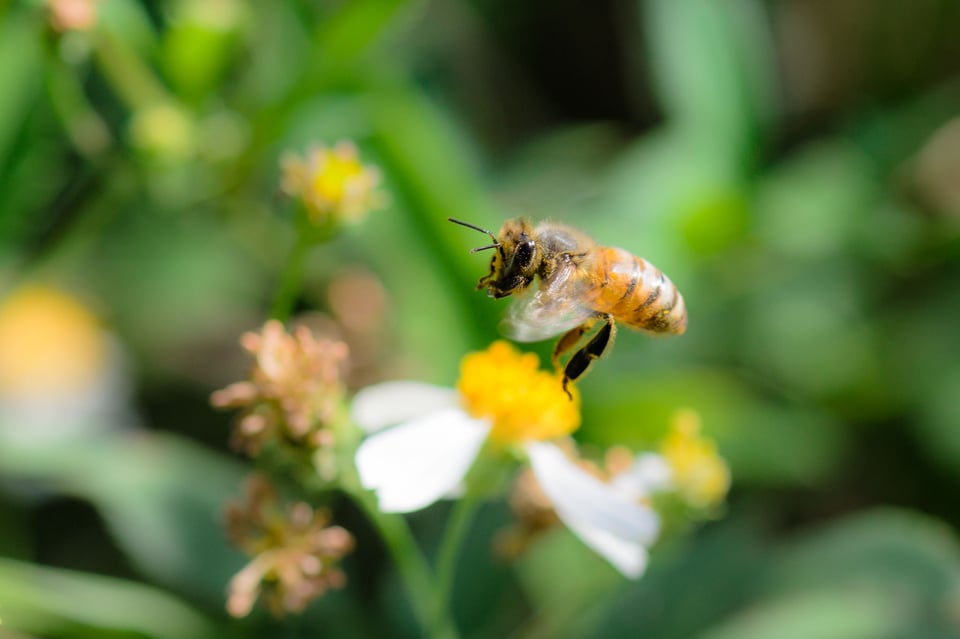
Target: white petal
<point x="390" y="403"/>
<point x="615" y="526"/>
<point x="650" y="473"/>
<point x="413" y="465"/>
<point x="629" y="557"/>
<point x="653" y="472"/>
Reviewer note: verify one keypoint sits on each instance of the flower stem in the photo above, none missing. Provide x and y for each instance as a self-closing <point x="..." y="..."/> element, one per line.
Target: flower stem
<point x="292" y="278"/>
<point x="457" y="526"/>
<point x="127" y="74"/>
<point x="412" y="566"/>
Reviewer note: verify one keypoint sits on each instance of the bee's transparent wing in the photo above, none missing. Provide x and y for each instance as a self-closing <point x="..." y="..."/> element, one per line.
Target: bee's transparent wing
<point x="553" y="309"/>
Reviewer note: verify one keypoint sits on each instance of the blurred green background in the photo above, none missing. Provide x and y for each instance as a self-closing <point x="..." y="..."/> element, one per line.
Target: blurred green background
<point x="793" y="165"/>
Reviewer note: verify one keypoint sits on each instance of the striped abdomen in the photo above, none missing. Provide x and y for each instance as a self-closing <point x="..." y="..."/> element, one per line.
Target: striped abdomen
<point x="636" y="292"/>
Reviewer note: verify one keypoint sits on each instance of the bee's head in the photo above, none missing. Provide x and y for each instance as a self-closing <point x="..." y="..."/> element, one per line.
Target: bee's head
<point x="515" y="261"/>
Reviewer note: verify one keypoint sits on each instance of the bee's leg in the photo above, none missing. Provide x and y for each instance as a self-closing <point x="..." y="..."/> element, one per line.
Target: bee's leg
<point x="592" y="350"/>
<point x="569" y="340"/>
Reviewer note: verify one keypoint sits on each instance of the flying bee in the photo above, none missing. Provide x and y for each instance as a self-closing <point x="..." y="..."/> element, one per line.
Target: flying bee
<point x="581" y="284"/>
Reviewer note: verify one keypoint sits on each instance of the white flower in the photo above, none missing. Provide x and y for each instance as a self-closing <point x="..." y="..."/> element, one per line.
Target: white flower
<point x="62" y="377"/>
<point x="423" y="443"/>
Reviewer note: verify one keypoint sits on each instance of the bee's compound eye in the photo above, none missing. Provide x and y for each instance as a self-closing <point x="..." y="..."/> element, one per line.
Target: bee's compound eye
<point x="524" y="254"/>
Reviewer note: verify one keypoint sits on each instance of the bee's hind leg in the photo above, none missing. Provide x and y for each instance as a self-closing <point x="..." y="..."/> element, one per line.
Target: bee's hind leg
<point x="569" y="340"/>
<point x="594" y="349"/>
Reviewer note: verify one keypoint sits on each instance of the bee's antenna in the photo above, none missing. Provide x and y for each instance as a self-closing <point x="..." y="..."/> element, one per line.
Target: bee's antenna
<point x="496" y="243"/>
<point x="484" y="248"/>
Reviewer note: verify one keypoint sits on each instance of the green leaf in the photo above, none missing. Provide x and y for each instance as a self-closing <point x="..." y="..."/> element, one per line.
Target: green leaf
<point x="914" y="556"/>
<point x="939" y="425"/>
<point x="161" y="497"/>
<point x="815" y="202"/>
<point x="764" y="441"/>
<point x="356" y="28"/>
<point x="128" y="21"/>
<point x="830" y="613"/>
<point x="200" y="44"/>
<point x="559" y="173"/>
<point x="674" y="199"/>
<point x="178" y="282"/>
<point x="810" y="331"/>
<point x="432" y="180"/>
<point x="64" y="603"/>
<point x="560" y="602"/>
<point x="710" y="65"/>
<point x="691" y="583"/>
<point x="21" y="67"/>
<point x="885" y="573"/>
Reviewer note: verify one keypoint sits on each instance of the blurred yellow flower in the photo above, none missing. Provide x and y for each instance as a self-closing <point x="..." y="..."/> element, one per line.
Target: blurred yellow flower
<point x="522" y="402"/>
<point x="50" y="344"/>
<point x="165" y="131"/>
<point x="332" y="183"/>
<point x="699" y="474"/>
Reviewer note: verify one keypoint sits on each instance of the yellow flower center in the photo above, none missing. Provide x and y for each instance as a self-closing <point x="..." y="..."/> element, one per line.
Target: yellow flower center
<point x="49" y="343"/>
<point x="333" y="175"/>
<point x="523" y="403"/>
<point x="701" y="475"/>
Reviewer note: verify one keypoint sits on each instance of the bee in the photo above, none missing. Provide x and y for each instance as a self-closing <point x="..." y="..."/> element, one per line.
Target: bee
<point x="581" y="284"/>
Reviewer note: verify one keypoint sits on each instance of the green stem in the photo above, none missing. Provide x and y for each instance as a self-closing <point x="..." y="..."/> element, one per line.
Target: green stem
<point x="85" y="128"/>
<point x="128" y="75"/>
<point x="411" y="564"/>
<point x="292" y="278"/>
<point x="457" y="526"/>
